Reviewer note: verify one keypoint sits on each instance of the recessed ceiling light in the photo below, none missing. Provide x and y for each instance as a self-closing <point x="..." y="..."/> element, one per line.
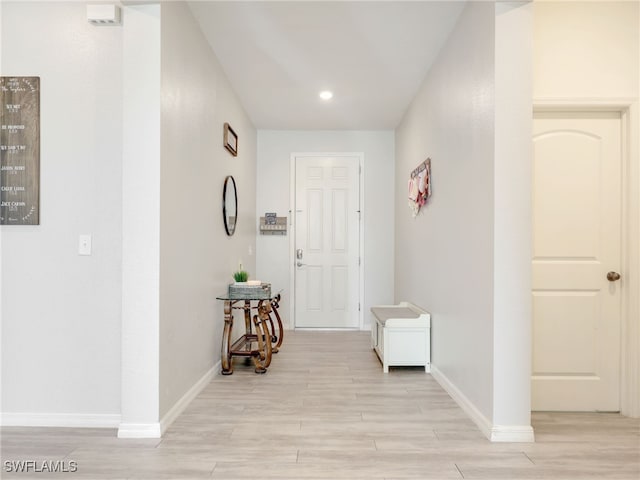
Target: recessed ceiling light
<point x="326" y="95"/>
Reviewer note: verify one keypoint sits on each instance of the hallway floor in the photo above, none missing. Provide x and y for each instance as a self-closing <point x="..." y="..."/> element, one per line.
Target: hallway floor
<point x="325" y="410"/>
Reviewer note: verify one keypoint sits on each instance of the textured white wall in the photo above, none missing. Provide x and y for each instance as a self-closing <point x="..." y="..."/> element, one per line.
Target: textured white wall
<point x="274" y="160"/>
<point x="512" y="217"/>
<point x="61" y="311"/>
<point x="466" y="258"/>
<point x="155" y="271"/>
<point x="444" y="257"/>
<point x="140" y="221"/>
<point x="197" y="258"/>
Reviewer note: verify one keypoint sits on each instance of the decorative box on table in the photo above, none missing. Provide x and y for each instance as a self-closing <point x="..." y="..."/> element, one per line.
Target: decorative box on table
<point x="249" y="291"/>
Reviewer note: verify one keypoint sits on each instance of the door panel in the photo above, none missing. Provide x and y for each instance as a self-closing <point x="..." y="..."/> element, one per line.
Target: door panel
<point x="340" y="215"/>
<point x="315" y="220"/>
<point x="327" y="232"/>
<point x="562" y="315"/>
<point x="314" y="283"/>
<point x="576" y="241"/>
<point x="564" y="222"/>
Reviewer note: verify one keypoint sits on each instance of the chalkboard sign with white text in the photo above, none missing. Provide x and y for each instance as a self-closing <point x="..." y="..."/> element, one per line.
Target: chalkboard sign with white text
<point x="20" y="151"/>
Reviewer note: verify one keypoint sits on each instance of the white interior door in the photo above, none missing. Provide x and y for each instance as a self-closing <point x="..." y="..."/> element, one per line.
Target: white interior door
<point x="327" y="232"/>
<point x="576" y="242"/>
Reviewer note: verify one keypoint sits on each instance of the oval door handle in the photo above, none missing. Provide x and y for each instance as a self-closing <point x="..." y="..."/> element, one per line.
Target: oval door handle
<point x="613" y="276"/>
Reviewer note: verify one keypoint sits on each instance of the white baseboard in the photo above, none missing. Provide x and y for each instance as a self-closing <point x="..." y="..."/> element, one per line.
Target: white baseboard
<point x="512" y="433"/>
<point x="66" y="420"/>
<point x="125" y="430"/>
<point x="157" y="429"/>
<point x="139" y="430"/>
<point x="188" y="397"/>
<point x="483" y="423"/>
<point x="495" y="433"/>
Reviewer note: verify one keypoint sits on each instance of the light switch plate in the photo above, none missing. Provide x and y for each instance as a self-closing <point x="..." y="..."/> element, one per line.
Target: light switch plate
<point x="84" y="245"/>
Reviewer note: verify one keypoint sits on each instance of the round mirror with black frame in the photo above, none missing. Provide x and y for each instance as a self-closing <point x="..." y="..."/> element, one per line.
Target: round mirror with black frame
<point x="230" y="205"/>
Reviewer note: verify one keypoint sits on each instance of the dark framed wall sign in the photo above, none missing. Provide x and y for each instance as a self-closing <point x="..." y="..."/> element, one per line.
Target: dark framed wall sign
<point x="20" y="150"/>
<point x="230" y="140"/>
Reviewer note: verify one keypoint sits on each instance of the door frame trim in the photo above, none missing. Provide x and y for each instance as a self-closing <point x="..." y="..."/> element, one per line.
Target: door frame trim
<point x="292" y="227"/>
<point x="629" y="109"/>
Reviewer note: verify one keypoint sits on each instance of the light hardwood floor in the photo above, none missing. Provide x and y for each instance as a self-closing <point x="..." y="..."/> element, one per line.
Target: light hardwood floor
<point x="325" y="410"/>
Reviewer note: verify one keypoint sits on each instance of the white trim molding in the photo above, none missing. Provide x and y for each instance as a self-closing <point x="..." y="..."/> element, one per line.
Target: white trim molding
<point x="495" y="433"/>
<point x="179" y="407"/>
<point x="630" y="348"/>
<point x="512" y="433"/>
<point x="551" y="104"/>
<point x="125" y="430"/>
<point x="67" y="420"/>
<point x="139" y="430"/>
<point x="157" y="429"/>
<point x="483" y="423"/>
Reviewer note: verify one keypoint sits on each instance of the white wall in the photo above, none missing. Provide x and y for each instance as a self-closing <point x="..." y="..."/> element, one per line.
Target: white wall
<point x="588" y="53"/>
<point x="586" y="50"/>
<point x="512" y="222"/>
<point x="444" y="257"/>
<point x="197" y="258"/>
<point x="61" y="311"/>
<point x="140" y="221"/>
<point x="466" y="257"/>
<point x="274" y="157"/>
<point x="120" y="337"/>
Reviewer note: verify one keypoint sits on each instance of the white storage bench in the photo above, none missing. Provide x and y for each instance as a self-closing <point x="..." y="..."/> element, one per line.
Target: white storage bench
<point x="401" y="335"/>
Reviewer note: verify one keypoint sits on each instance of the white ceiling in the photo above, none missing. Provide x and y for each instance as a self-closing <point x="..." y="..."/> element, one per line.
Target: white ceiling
<point x="373" y="55"/>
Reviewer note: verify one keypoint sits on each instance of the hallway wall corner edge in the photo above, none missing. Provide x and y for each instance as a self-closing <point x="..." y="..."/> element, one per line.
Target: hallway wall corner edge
<point x="494" y="433"/>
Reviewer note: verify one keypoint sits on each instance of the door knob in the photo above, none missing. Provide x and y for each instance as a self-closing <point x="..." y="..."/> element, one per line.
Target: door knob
<point x="299" y="264"/>
<point x="613" y="276"/>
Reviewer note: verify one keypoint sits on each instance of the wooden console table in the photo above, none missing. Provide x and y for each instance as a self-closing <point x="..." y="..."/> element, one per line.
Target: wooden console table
<point x="262" y="336"/>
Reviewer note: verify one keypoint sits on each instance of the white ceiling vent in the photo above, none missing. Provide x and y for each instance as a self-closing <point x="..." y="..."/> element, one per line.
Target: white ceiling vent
<point x="104" y="15"/>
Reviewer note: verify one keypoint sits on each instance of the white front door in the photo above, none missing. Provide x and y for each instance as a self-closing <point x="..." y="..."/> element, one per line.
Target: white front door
<point x="327" y="232"/>
<point x="577" y="197"/>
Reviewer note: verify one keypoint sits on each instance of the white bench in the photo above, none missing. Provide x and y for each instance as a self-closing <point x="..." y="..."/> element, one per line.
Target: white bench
<point x="401" y="335"/>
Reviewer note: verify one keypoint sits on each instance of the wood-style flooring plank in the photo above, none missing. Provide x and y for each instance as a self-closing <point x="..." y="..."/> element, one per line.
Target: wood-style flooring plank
<point x="325" y="410"/>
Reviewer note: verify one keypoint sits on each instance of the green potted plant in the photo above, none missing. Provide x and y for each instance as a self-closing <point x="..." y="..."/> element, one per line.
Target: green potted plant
<point x="241" y="276"/>
<point x="243" y="288"/>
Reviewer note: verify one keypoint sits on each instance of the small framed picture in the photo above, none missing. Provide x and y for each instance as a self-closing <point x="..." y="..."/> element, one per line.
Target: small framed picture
<point x="270" y="218"/>
<point x="230" y="140"/>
